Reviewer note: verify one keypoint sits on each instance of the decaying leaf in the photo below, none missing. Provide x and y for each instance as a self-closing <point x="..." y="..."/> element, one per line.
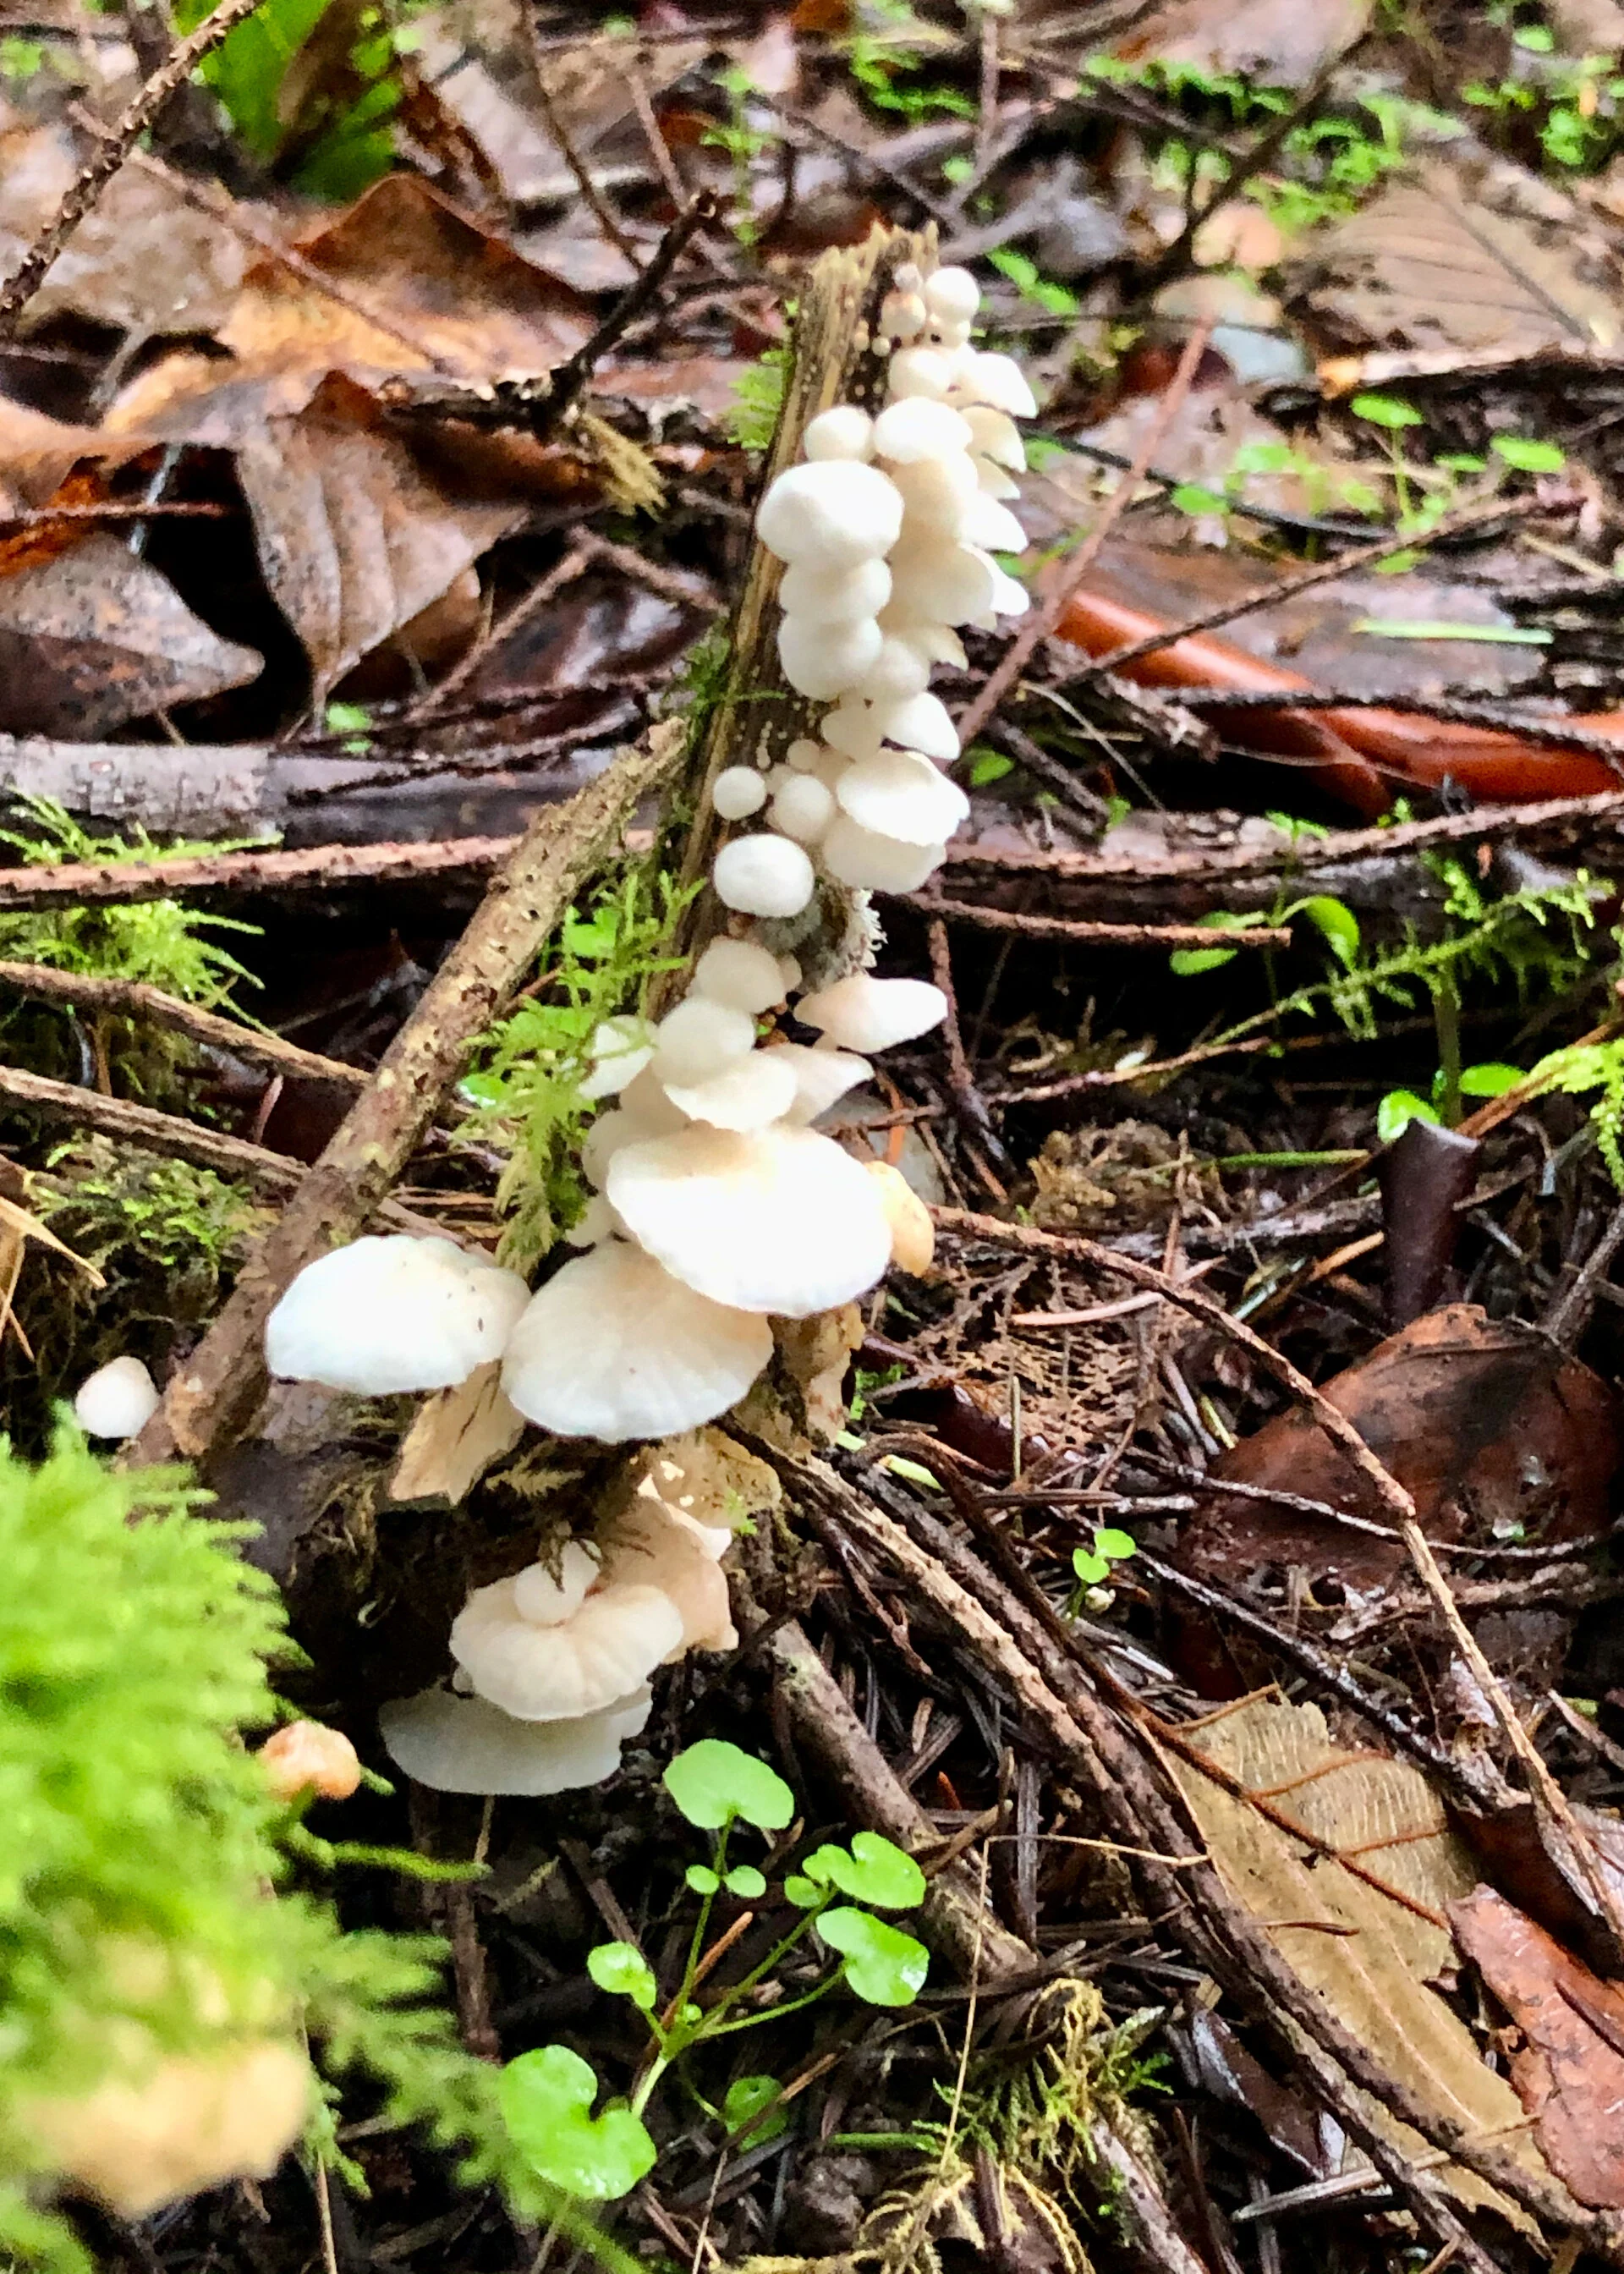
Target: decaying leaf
<point x="353" y="540"/>
<point x="1569" y="2073"/>
<point x="1346" y="1861"/>
<point x="36" y="453"/>
<point x="95" y="636"/>
<point x="1486" y="1424"/>
<point x="1277" y="42"/>
<point x="455" y="1437"/>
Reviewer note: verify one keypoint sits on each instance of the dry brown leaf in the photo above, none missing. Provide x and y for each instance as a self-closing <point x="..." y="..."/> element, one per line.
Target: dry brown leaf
<point x="455" y="1437"/>
<point x="93" y="637"/>
<point x="1279" y="42"/>
<point x="36" y="454"/>
<point x="353" y="541"/>
<point x="1489" y="257"/>
<point x="1570" y="2074"/>
<point x="1350" y="1872"/>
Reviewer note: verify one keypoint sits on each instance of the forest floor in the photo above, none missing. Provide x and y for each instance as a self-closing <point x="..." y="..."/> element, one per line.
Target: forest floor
<point x="1215" y="1583"/>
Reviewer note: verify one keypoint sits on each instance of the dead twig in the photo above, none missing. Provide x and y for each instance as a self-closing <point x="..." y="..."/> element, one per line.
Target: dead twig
<point x="118" y="140"/>
<point x="52" y="884"/>
<point x="1098" y="935"/>
<point x="273" y="1175"/>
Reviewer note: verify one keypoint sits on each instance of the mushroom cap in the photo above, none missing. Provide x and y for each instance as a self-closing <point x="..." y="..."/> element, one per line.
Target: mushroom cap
<point x="938" y="584"/>
<point x="845" y="432"/>
<point x="821" y="1076"/>
<point x="913" y="1234"/>
<point x="1011" y="598"/>
<point x="737" y="791"/>
<point x="870" y="862"/>
<point x="393" y="1313"/>
<point x="994" y="434"/>
<point x="920" y="722"/>
<point x="620" y="1050"/>
<point x="952" y="295"/>
<point x="803" y="809"/>
<point x="117" y="1400"/>
<point x="655" y="1545"/>
<point x="747" y="1093"/>
<point x="899" y="793"/>
<point x="915" y="372"/>
<point x="763" y="876"/>
<point x="861" y="1013"/>
<point x="937" y="493"/>
<point x="698" y="1037"/>
<point x="834" y="596"/>
<point x="612" y="1643"/>
<point x="740" y="974"/>
<point x="991" y="526"/>
<point x="822" y="660"/>
<point x="804" y="756"/>
<point x="546" y="1596"/>
<point x="780" y="1220"/>
<point x="899" y="671"/>
<point x="308" y="1756"/>
<point x="467" y="1744"/>
<point x="852" y="728"/>
<point x="613" y="1347"/>
<point x="916" y="427"/>
<point x="998" y="382"/>
<point x="832" y="513"/>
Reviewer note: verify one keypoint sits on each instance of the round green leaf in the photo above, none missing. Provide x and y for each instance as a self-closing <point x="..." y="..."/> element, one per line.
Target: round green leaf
<point x="1397" y="1110"/>
<point x="884" y="1966"/>
<point x="1093" y="1570"/>
<point x="874" y="1870"/>
<point x="1489" y="1080"/>
<point x="744" y="1880"/>
<point x="1337" y="925"/>
<point x="712" y="1782"/>
<point x="1528" y="457"/>
<point x="805" y="1893"/>
<point x="1384" y="410"/>
<point x="547" y="2099"/>
<point x="621" y="1969"/>
<point x="745" y="2097"/>
<point x="1116" y="1546"/>
<point x="701" y="1879"/>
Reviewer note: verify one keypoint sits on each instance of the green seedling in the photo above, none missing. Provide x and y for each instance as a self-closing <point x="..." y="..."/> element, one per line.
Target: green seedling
<point x="548" y="2096"/>
<point x="1400" y="1107"/>
<point x="1093" y="1565"/>
<point x="1332" y="919"/>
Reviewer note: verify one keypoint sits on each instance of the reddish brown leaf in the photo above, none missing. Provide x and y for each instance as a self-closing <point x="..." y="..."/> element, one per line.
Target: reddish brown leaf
<point x="1570" y="2074"/>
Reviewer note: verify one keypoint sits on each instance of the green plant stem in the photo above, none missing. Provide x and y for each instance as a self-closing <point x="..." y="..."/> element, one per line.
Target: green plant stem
<point x="770" y="2013"/>
<point x="1446" y="1016"/>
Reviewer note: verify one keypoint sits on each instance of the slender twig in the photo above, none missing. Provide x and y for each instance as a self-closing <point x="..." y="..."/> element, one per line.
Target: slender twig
<point x="66" y="1106"/>
<point x="316" y="865"/>
<point x="1099" y="934"/>
<point x="120" y="138"/>
<point x="134" y="999"/>
<point x="601" y="210"/>
<point x="1043" y="618"/>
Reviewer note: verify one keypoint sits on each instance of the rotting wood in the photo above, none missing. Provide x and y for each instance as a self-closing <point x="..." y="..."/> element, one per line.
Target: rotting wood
<point x="62" y="1103"/>
<point x="211" y="1401"/>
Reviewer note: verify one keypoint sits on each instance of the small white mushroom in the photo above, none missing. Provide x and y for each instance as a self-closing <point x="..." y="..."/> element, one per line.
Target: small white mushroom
<point x="994" y="434"/>
<point x="387" y="1314"/>
<point x="992" y="526"/>
<point x="937" y="642"/>
<point x="852" y="728"/>
<point x="938" y="494"/>
<point x="899" y="793"/>
<point x="902" y="315"/>
<point x="739" y="974"/>
<point x="596" y="1221"/>
<point x="657" y="1545"/>
<point x="697" y="1038"/>
<point x="821" y="1077"/>
<point x="747" y="1093"/>
<point x="790" y="974"/>
<point x="780" y="1220"/>
<point x="763" y="876"/>
<point x="804" y="756"/>
<point x="861" y="1013"/>
<point x="830" y="515"/>
<point x="822" y="660"/>
<point x="916" y="371"/>
<point x="913" y="1234"/>
<point x="737" y="791"/>
<point x="997" y="382"/>
<point x="870" y="862"/>
<point x="620" y="1050"/>
<point x="803" y="809"/>
<point x="919" y="722"/>
<point x="467" y="1744"/>
<point x="899" y="670"/>
<point x="834" y="596"/>
<point x="613" y="1347"/>
<point x="117" y="1400"/>
<point x="845" y="431"/>
<point x="916" y="428"/>
<point x="992" y="480"/>
<point x="610" y="1643"/>
<point x="953" y="295"/>
<point x="941" y="583"/>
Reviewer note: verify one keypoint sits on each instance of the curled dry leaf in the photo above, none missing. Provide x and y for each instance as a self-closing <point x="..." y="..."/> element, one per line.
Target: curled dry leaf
<point x="1569" y="2072"/>
<point x="1347" y="1863"/>
<point x="1277" y="41"/>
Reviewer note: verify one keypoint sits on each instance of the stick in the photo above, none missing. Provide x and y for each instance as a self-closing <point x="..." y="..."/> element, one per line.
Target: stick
<point x="271" y="1174"/>
<point x="1100" y="934"/>
<point x="211" y="1401"/>
<point x="129" y="881"/>
<point x="32" y="270"/>
<point x="1043" y="619"/>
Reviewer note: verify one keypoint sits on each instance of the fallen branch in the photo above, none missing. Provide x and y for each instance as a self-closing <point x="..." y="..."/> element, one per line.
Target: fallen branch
<point x="1098" y="935"/>
<point x="271" y="1174"/>
<point x="212" y="1399"/>
<point x="472" y="858"/>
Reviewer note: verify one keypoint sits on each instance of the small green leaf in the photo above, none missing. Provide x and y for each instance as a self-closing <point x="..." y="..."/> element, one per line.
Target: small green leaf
<point x="884" y="1966"/>
<point x="1428" y="628"/>
<point x="744" y="1880"/>
<point x="988" y="766"/>
<point x="1191" y="497"/>
<point x="1385" y="411"/>
<point x="1118" y="1546"/>
<point x="1461" y="462"/>
<point x="745" y="2097"/>
<point x="1336" y="924"/>
<point x="1398" y="564"/>
<point x="912" y="1472"/>
<point x="701" y="1879"/>
<point x="803" y="1893"/>
<point x="713" y="1782"/>
<point x="546" y="2098"/>
<point x="1190" y="962"/>
<point x="874" y="1870"/>
<point x="1397" y="1110"/>
<point x="1092" y="1570"/>
<point x="1493" y="1079"/>
<point x="1525" y="456"/>
<point x="621" y="1969"/>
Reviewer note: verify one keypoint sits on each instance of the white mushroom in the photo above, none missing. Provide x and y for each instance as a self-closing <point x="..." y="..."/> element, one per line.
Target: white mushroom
<point x="747" y="1093"/>
<point x="992" y="527"/>
<point x="117" y="1400"/>
<point x="698" y="1037"/>
<point x="913" y="1234"/>
<point x="739" y="974"/>
<point x="830" y="515"/>
<point x="804" y="756"/>
<point x="737" y="791"/>
<point x="564" y="1669"/>
<point x="941" y="583"/>
<point x="937" y="493"/>
<point x="998" y="382"/>
<point x="781" y="1220"/>
<point x="385" y="1315"/>
<point x="845" y="431"/>
<point x="821" y="1076"/>
<point x="620" y="1050"/>
<point x="916" y="428"/>
<point x="919" y="722"/>
<point x="852" y="728"/>
<point x="902" y="316"/>
<point x="613" y="1347"/>
<point x="899" y="793"/>
<point x="937" y="642"/>
<point x="994" y="434"/>
<point x="951" y="296"/>
<point x="870" y="862"/>
<point x="467" y="1744"/>
<point x="656" y="1546"/>
<point x="822" y="660"/>
<point x="763" y="876"/>
<point x="899" y="671"/>
<point x="834" y="596"/>
<point x="919" y="371"/>
<point x="1009" y="597"/>
<point x="803" y="809"/>
<point x="861" y="1013"/>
